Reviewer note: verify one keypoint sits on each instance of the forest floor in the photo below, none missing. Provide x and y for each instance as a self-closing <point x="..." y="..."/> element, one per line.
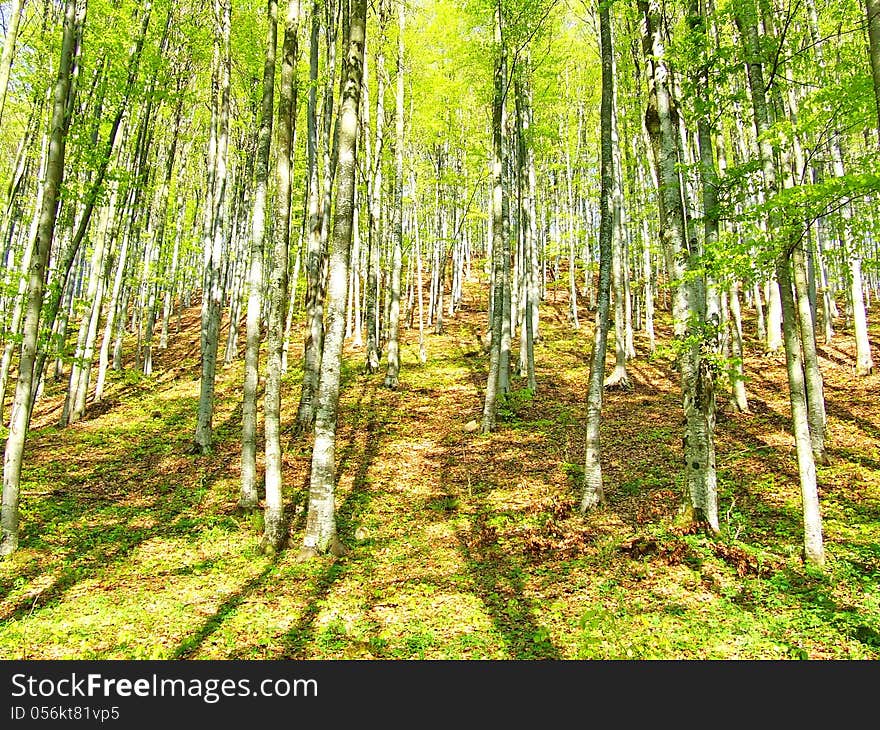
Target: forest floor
<point x="461" y="545"/>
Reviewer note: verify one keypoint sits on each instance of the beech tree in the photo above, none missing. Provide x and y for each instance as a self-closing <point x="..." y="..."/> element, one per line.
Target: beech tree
<point x="320" y="535"/>
<point x="74" y="19"/>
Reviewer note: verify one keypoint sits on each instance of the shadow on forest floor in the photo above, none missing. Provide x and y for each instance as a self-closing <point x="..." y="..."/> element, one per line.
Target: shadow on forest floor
<point x="460" y="544"/>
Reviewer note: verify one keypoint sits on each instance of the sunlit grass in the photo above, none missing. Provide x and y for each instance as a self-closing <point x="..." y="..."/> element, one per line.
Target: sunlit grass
<point x="461" y="545"/>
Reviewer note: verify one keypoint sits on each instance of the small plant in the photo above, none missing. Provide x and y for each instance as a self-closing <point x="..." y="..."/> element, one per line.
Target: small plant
<point x="574" y="472"/>
<point x="510" y="404"/>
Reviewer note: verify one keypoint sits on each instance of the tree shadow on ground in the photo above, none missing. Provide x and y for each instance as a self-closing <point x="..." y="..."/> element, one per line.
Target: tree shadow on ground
<point x="295" y="643"/>
<point x="194" y="641"/>
<point x="499" y="582"/>
<point x="101" y="543"/>
<point x="832" y="408"/>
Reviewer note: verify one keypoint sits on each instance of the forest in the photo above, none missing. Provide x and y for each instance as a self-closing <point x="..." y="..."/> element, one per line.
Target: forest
<point x="421" y="329"/>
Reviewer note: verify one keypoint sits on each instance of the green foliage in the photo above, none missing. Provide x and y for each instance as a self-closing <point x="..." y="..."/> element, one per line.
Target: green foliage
<point x="511" y="405"/>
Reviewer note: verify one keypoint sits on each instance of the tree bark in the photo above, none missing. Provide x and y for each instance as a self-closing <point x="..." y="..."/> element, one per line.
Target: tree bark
<point x="594" y="493"/>
<point x="314" y="339"/>
<point x="18" y="427"/>
<point x="249" y="497"/>
<point x="499" y="230"/>
<point x="873" y="13"/>
<point x="320" y="533"/>
<point x="371" y="364"/>
<point x="392" y="376"/>
<point x="275" y="528"/>
<point x="745" y="18"/>
<point x="689" y="301"/>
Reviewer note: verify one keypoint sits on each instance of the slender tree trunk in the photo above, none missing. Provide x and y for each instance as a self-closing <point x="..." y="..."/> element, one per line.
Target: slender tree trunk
<point x="594" y="493"/>
<point x="815" y="390"/>
<point x="9" y="50"/>
<point x="738" y="384"/>
<point x="529" y="296"/>
<point x="18" y="427"/>
<point x="423" y="355"/>
<point x="314" y="339"/>
<point x="249" y="497"/>
<point x="291" y="305"/>
<point x="689" y="302"/>
<point x="75" y="403"/>
<point x="498" y="229"/>
<point x="814" y="551"/>
<point x="393" y="373"/>
<point x="216" y="240"/>
<point x="114" y="312"/>
<point x="161" y="225"/>
<point x="572" y="283"/>
<point x="357" y="318"/>
<point x="275" y="528"/>
<point x="171" y="287"/>
<point x="619" y="377"/>
<point x="864" y="359"/>
<point x="320" y="533"/>
<point x="745" y="18"/>
<point x="371" y="364"/>
<point x="27" y="254"/>
<point x="873" y="13"/>
<point x="647" y="273"/>
<point x="774" y="319"/>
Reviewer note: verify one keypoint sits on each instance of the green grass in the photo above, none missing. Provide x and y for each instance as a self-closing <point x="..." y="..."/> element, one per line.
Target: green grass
<point x="462" y="546"/>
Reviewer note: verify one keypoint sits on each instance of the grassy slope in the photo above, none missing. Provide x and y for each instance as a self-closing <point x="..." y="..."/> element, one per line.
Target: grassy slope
<point x="462" y="545"/>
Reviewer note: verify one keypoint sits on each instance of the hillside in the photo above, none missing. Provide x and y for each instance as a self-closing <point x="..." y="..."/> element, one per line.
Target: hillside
<point x="460" y="545"/>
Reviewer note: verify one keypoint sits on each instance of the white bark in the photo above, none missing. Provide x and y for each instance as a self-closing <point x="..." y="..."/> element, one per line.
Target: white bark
<point x="274" y="527"/>
<point x="320" y="533"/>
<point x="18" y="427"/>
<point x="215" y="243"/>
<point x="393" y="374"/>
<point x="249" y="497"/>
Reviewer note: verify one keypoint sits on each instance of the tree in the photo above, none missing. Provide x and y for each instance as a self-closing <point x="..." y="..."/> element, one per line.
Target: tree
<point x="393" y="373"/>
<point x="215" y="230"/>
<point x="683" y="263"/>
<point x="248" y="499"/>
<point x="274" y="532"/>
<point x="320" y="535"/>
<point x="813" y="543"/>
<point x="594" y="494"/>
<point x="500" y="249"/>
<point x="74" y="19"/>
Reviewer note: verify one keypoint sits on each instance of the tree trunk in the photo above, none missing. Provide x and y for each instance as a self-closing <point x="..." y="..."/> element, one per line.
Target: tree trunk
<point x="27" y="254"/>
<point x="275" y="528"/>
<point x="873" y="13"/>
<point x="499" y="229"/>
<point x="9" y="49"/>
<point x="320" y="533"/>
<point x="215" y="242"/>
<point x="745" y="18"/>
<point x="249" y="497"/>
<point x="393" y="373"/>
<point x="689" y="301"/>
<point x="594" y="493"/>
<point x="18" y="427"/>
<point x="371" y="364"/>
<point x="619" y="377"/>
<point x="815" y="390"/>
<point x="814" y="551"/>
<point x="75" y="403"/>
<point x="314" y="339"/>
